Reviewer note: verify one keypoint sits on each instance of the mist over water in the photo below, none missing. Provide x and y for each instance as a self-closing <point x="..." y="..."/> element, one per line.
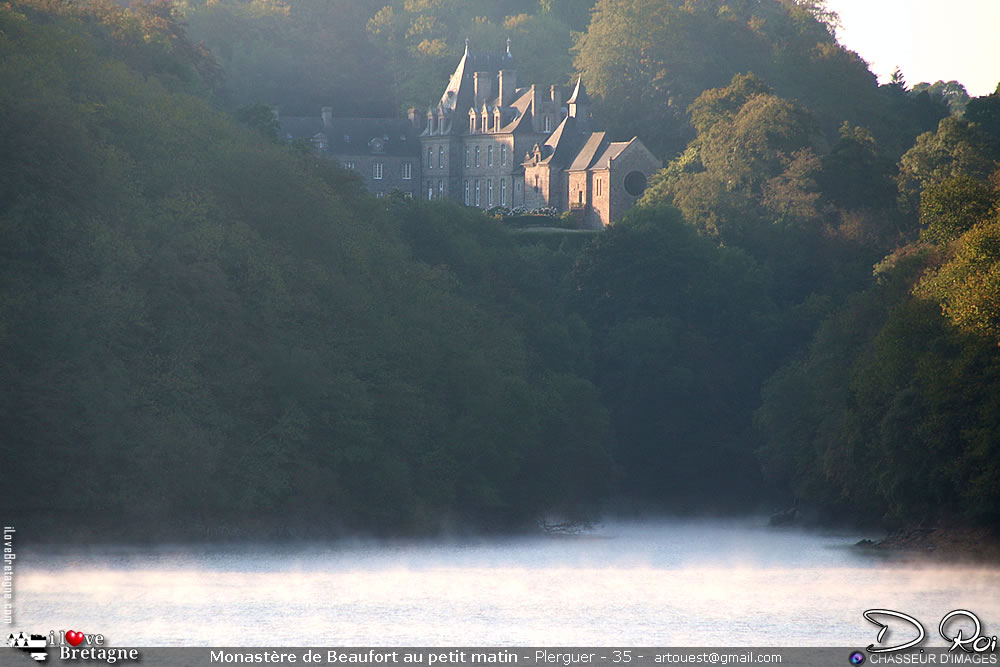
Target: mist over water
<point x="642" y="583"/>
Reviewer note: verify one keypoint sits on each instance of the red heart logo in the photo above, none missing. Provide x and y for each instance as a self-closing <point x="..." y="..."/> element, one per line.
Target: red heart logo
<point x="74" y="637"/>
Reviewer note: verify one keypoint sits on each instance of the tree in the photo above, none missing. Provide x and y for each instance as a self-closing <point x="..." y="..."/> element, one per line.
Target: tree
<point x="950" y="207"/>
<point x="967" y="286"/>
<point x="261" y="118"/>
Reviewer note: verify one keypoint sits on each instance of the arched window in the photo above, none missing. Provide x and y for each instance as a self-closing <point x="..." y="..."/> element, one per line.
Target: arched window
<point x="477" y="156"/>
<point x="467" y="200"/>
<point x="503" y="191"/>
<point x="441" y="157"/>
<point x="489" y="192"/>
<point x="503" y="155"/>
<point x="468" y="156"/>
<point x="489" y="156"/>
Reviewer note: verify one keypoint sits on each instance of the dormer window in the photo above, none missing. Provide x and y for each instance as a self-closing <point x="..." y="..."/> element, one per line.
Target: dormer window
<point x="496" y="121"/>
<point x="472" y="123"/>
<point x="486" y="122"/>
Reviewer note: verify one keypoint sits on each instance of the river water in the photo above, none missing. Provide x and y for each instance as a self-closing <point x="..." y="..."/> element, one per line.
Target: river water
<point x="642" y="583"/>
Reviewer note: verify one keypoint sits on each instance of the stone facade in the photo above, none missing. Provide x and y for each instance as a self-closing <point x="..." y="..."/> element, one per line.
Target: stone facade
<point x="488" y="143"/>
<point x="384" y="152"/>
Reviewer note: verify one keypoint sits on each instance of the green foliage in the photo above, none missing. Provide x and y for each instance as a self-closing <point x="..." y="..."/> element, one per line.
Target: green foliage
<point x="647" y="61"/>
<point x="968" y="285"/>
<point x="886" y="417"/>
<point x="956" y="148"/>
<point x="299" y="55"/>
<point x="950" y="207"/>
<point x="261" y="118"/>
<point x="681" y="329"/>
<point x="952" y="93"/>
<point x="984" y="113"/>
<point x="752" y="179"/>
<point x="857" y="174"/>
<point x="201" y="324"/>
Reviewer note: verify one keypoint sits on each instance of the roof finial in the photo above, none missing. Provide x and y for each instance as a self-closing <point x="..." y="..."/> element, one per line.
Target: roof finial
<point x="466" y="46"/>
<point x="508" y="48"/>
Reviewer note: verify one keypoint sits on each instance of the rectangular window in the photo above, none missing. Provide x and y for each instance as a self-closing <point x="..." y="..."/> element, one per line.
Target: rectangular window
<point x="489" y="156"/>
<point x="489" y="193"/>
<point x="468" y="159"/>
<point x="548" y="123"/>
<point x="503" y="191"/>
<point x="477" y="156"/>
<point x="349" y="164"/>
<point x="441" y="157"/>
<point x="430" y="157"/>
<point x="377" y="171"/>
<point x="479" y="201"/>
<point x="407" y="171"/>
<point x="503" y="155"/>
<point x="467" y="200"/>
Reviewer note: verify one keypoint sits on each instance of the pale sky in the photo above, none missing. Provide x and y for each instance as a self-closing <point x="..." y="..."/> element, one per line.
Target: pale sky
<point x="928" y="39"/>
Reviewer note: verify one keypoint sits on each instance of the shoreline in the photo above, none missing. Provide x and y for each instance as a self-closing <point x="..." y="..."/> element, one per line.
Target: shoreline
<point x="960" y="544"/>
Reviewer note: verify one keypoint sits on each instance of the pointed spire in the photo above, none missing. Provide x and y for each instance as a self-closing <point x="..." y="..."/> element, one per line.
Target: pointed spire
<point x="579" y="95"/>
<point x="466" y="46"/>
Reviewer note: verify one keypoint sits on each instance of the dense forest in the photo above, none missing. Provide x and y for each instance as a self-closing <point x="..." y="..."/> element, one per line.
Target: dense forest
<point x="204" y="331"/>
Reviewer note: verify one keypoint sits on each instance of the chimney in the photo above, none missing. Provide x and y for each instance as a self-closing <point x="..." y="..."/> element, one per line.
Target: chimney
<point x="508" y="85"/>
<point x="482" y="83"/>
<point x="536" y="109"/>
<point x="327" y="116"/>
<point x="556" y="96"/>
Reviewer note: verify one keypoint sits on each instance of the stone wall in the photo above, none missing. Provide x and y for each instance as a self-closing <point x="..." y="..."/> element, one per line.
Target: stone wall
<point x="392" y="173"/>
<point x="635" y="158"/>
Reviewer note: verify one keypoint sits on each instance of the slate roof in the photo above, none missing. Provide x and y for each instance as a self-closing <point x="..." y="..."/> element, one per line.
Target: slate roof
<point x="613" y="150"/>
<point x="459" y="95"/>
<point x="296" y="127"/>
<point x="357" y="136"/>
<point x="587" y="154"/>
<point x="579" y="95"/>
<point x="564" y="142"/>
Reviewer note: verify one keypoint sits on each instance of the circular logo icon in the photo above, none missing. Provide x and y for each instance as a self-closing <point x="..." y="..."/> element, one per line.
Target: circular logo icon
<point x="857" y="658"/>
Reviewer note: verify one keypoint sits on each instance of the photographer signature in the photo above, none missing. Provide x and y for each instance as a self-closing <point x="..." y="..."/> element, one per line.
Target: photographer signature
<point x="976" y="642"/>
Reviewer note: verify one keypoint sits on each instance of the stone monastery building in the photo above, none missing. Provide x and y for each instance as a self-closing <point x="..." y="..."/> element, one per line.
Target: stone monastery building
<point x="491" y="143"/>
